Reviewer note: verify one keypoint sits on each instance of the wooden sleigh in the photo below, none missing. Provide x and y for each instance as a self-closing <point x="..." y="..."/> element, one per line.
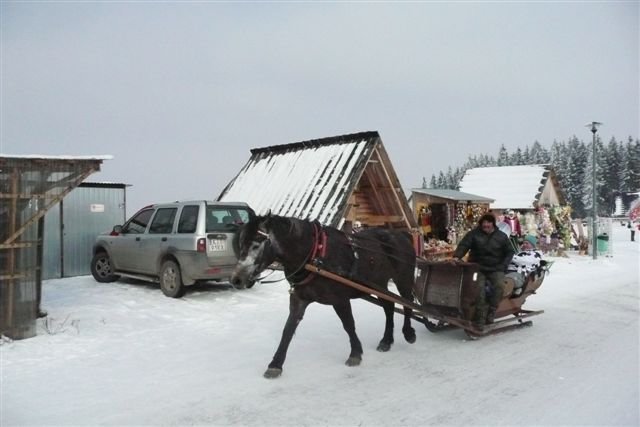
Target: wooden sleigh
<point x="445" y="297"/>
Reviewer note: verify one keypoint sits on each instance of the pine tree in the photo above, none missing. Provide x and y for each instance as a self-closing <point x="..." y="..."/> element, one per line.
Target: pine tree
<point x="602" y="192"/>
<point x="539" y="155"/>
<point x="559" y="159"/>
<point x="587" y="197"/>
<point x="503" y="156"/>
<point x="613" y="167"/>
<point x="526" y="156"/>
<point x="433" y="183"/>
<point x="575" y="176"/>
<point x="633" y="165"/>
<point x="516" y="158"/>
<point x="624" y="169"/>
<point x="459" y="174"/>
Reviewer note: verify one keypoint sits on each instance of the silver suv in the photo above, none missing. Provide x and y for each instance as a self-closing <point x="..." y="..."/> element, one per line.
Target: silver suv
<point x="177" y="244"/>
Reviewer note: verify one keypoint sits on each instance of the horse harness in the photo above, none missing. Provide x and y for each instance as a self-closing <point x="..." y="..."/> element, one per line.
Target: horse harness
<point x="318" y="250"/>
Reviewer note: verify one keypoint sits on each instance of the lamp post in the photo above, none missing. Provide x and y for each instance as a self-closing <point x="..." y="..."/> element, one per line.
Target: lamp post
<point x="594" y="209"/>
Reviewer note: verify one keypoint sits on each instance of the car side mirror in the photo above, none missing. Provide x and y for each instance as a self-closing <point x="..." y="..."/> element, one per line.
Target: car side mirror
<point x="117" y="229"/>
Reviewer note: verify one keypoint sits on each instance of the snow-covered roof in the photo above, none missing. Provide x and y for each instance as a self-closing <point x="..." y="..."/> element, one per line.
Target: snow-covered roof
<point x="62" y="157"/>
<point x="444" y="193"/>
<point x="511" y="187"/>
<point x="314" y="179"/>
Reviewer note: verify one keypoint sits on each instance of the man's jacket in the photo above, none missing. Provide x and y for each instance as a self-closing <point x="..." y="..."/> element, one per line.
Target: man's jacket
<point x="492" y="251"/>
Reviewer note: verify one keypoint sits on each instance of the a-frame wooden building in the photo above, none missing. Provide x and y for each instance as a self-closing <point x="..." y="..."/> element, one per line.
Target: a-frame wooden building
<point x="337" y="180"/>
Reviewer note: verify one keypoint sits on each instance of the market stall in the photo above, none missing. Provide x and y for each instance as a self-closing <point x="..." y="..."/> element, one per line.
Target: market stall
<point x="550" y="224"/>
<point x="529" y="196"/>
<point x="445" y="216"/>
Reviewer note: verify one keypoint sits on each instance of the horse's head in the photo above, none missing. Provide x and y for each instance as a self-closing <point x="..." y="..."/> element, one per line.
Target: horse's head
<point x="254" y="250"/>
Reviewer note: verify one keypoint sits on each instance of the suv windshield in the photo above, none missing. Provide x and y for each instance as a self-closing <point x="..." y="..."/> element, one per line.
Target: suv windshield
<point x="225" y="218"/>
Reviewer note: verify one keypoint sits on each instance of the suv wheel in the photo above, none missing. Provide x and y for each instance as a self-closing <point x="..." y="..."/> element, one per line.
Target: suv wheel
<point x="171" y="280"/>
<point x="101" y="268"/>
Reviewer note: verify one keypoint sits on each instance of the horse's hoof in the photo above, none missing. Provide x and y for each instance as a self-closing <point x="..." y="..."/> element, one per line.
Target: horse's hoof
<point x="273" y="373"/>
<point x="384" y="346"/>
<point x="353" y="361"/>
<point x="410" y="336"/>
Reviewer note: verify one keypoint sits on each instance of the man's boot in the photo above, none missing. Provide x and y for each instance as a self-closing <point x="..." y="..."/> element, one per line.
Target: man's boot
<point x="479" y="318"/>
<point x="491" y="315"/>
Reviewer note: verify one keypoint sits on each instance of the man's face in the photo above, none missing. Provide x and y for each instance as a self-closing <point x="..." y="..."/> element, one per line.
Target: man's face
<point x="487" y="227"/>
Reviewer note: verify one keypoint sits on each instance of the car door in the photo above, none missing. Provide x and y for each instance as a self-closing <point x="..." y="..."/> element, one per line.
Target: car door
<point x="155" y="241"/>
<point x="126" y="245"/>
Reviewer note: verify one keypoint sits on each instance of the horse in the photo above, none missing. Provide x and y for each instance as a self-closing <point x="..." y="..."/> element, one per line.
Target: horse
<point x="371" y="257"/>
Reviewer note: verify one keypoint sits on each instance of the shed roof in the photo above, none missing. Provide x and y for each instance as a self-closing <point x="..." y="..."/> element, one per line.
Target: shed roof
<point x="314" y="179"/>
<point x="453" y="195"/>
<point x="61" y="157"/>
<point x="512" y="187"/>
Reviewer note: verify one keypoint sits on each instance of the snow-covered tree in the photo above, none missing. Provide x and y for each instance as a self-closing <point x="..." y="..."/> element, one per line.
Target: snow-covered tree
<point x="503" y="156"/>
<point x="575" y="176"/>
<point x="538" y="154"/>
<point x="612" y="166"/>
<point x="559" y="158"/>
<point x="632" y="169"/>
<point x="526" y="156"/>
<point x="516" y="158"/>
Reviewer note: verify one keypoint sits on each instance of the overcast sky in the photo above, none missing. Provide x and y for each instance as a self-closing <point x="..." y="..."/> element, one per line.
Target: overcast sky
<point x="179" y="93"/>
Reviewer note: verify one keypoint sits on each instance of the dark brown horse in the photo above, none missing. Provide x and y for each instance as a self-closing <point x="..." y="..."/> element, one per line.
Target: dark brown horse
<point x="371" y="257"/>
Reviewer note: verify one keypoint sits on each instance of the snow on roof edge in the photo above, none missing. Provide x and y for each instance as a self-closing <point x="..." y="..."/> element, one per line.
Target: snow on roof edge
<point x="59" y="157"/>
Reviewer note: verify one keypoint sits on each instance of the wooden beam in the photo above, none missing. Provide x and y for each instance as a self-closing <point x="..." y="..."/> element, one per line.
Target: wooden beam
<point x="70" y="186"/>
<point x="23" y="196"/>
<point x="16" y="245"/>
<point x="383" y="219"/>
<point x="376" y="196"/>
<point x="12" y="277"/>
<point x="394" y="190"/>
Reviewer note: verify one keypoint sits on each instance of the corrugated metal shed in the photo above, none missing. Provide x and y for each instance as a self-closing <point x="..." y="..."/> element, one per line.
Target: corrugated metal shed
<point x="336" y="179"/>
<point x="71" y="227"/>
<point x="515" y="187"/>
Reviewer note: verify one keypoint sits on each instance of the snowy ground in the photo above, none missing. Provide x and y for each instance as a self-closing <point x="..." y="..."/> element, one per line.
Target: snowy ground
<point x="123" y="354"/>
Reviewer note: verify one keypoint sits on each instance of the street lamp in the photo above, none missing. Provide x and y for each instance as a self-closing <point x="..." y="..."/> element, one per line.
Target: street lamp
<point x="594" y="223"/>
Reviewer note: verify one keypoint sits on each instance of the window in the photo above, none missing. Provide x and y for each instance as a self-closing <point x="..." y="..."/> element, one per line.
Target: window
<point x="138" y="223"/>
<point x="163" y="221"/>
<point x="225" y="218"/>
<point x="188" y="219"/>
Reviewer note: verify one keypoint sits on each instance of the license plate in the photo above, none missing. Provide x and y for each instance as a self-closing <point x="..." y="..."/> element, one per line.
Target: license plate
<point x="217" y="245"/>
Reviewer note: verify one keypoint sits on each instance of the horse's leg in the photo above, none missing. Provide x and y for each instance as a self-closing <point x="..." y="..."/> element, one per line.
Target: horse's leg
<point x="406" y="291"/>
<point x="404" y="280"/>
<point x="387" y="338"/>
<point x="297" y="307"/>
<point x="407" y="330"/>
<point x="346" y="316"/>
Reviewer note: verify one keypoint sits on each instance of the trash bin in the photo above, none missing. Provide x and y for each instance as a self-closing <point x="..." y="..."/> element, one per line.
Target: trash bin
<point x="603" y="243"/>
